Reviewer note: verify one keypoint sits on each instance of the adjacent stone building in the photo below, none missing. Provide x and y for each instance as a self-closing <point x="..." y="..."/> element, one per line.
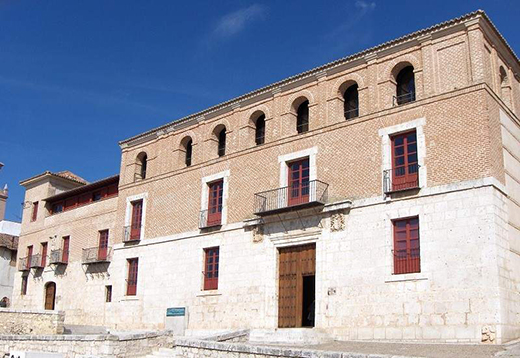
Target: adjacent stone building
<point x="374" y="197"/>
<point x="9" y="233"/>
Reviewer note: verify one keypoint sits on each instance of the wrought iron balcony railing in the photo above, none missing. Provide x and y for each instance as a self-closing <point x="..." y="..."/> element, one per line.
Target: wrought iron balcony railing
<point x="96" y="254"/>
<point x="401" y="178"/>
<point x="314" y="192"/>
<point x="36" y="261"/>
<point x="404" y="98"/>
<point x="9" y="242"/>
<point x="351" y="113"/>
<point x="407" y="261"/>
<point x="59" y="257"/>
<point x="210" y="218"/>
<point x="131" y="233"/>
<point x="24" y="264"/>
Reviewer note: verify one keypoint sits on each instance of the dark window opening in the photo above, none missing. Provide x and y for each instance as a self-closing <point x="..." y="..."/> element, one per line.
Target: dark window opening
<point x="65" y="253"/>
<point x="23" y="290"/>
<point x="222" y="143"/>
<point x="351" y="104"/>
<point x="144" y="163"/>
<point x="302" y="117"/>
<point x="96" y="196"/>
<point x="108" y="293"/>
<point x="260" y="130"/>
<point x="405" y="86"/>
<point x="57" y="208"/>
<point x="44" y="254"/>
<point x="189" y="151"/>
<point x="34" y="211"/>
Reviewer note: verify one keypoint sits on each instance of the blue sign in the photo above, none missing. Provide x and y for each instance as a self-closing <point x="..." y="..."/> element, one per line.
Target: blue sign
<point x="175" y="311"/>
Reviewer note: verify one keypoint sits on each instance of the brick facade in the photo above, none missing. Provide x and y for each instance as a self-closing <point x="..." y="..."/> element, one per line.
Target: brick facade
<point x="465" y="115"/>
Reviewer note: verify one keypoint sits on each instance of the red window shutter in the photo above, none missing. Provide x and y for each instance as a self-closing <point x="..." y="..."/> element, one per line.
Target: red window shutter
<point x="44" y="254"/>
<point x="103" y="245"/>
<point x="131" y="288"/>
<point x="298" y="182"/>
<point x="34" y="215"/>
<point x="65" y="253"/>
<point x="216" y="190"/>
<point x="211" y="268"/>
<point x="405" y="166"/>
<point x="29" y="256"/>
<point x="137" y="217"/>
<point x="407" y="254"/>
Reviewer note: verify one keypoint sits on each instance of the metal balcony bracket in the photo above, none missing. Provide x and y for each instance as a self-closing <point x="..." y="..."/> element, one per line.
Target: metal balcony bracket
<point x="281" y="222"/>
<point x="300" y="219"/>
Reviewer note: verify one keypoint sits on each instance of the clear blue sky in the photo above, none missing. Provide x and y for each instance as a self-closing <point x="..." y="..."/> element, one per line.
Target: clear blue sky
<point x="78" y="76"/>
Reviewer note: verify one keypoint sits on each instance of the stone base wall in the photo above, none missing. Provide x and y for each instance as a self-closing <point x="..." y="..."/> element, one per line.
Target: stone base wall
<point x="100" y="346"/>
<point x="31" y="322"/>
<point x="185" y="348"/>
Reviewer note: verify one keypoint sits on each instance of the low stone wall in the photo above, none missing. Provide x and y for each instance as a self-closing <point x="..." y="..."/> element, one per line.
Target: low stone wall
<point x="98" y="346"/>
<point x="31" y="322"/>
<point x="190" y="348"/>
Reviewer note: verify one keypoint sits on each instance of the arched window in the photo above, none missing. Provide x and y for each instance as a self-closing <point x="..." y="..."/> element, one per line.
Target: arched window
<point x="351" y="104"/>
<point x="189" y="152"/>
<point x="222" y="142"/>
<point x="302" y="119"/>
<point x="142" y="162"/>
<point x="405" y="86"/>
<point x="260" y="130"/>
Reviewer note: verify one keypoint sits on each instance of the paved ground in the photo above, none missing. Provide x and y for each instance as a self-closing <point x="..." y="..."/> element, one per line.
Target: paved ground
<point x="421" y="350"/>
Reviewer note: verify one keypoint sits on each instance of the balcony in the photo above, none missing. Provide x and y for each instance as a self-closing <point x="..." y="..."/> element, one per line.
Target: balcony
<point x="210" y="218"/>
<point x="407" y="261"/>
<point x="312" y="193"/>
<point x="29" y="262"/>
<point x="404" y="98"/>
<point x="36" y="261"/>
<point x="97" y="254"/>
<point x="9" y="242"/>
<point x="131" y="233"/>
<point x="24" y="264"/>
<point x="59" y="257"/>
<point x="401" y="178"/>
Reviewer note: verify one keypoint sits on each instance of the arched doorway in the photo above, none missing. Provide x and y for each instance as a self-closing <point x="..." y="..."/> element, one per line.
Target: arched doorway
<point x="50" y="295"/>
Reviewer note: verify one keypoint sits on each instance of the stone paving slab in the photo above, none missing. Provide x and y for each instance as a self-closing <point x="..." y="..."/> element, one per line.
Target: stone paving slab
<point x="416" y="350"/>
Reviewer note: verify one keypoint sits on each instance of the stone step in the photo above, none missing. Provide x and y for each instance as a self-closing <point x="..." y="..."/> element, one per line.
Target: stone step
<point x="83" y="329"/>
<point x="289" y="336"/>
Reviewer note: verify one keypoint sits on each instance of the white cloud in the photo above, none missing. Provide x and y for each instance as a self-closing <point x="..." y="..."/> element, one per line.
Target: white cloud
<point x="236" y="21"/>
<point x="365" y="5"/>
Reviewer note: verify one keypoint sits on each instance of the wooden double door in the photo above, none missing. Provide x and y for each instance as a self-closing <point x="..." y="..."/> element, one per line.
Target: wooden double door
<point x="296" y="297"/>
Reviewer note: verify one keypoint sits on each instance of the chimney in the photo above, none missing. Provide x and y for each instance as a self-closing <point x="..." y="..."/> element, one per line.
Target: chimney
<point x="3" y="201"/>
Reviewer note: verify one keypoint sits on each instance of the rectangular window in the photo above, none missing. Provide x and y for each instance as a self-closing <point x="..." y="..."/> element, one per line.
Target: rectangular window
<point x="137" y="219"/>
<point x="131" y="287"/>
<point x="23" y="290"/>
<point x="215" y="203"/>
<point x="44" y="254"/>
<point x="103" y="245"/>
<point x="298" y="182"/>
<point x="29" y="257"/>
<point x="108" y="293"/>
<point x="34" y="214"/>
<point x="57" y="207"/>
<point x="65" y="254"/>
<point x="407" y="254"/>
<point x="405" y="166"/>
<point x="211" y="266"/>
